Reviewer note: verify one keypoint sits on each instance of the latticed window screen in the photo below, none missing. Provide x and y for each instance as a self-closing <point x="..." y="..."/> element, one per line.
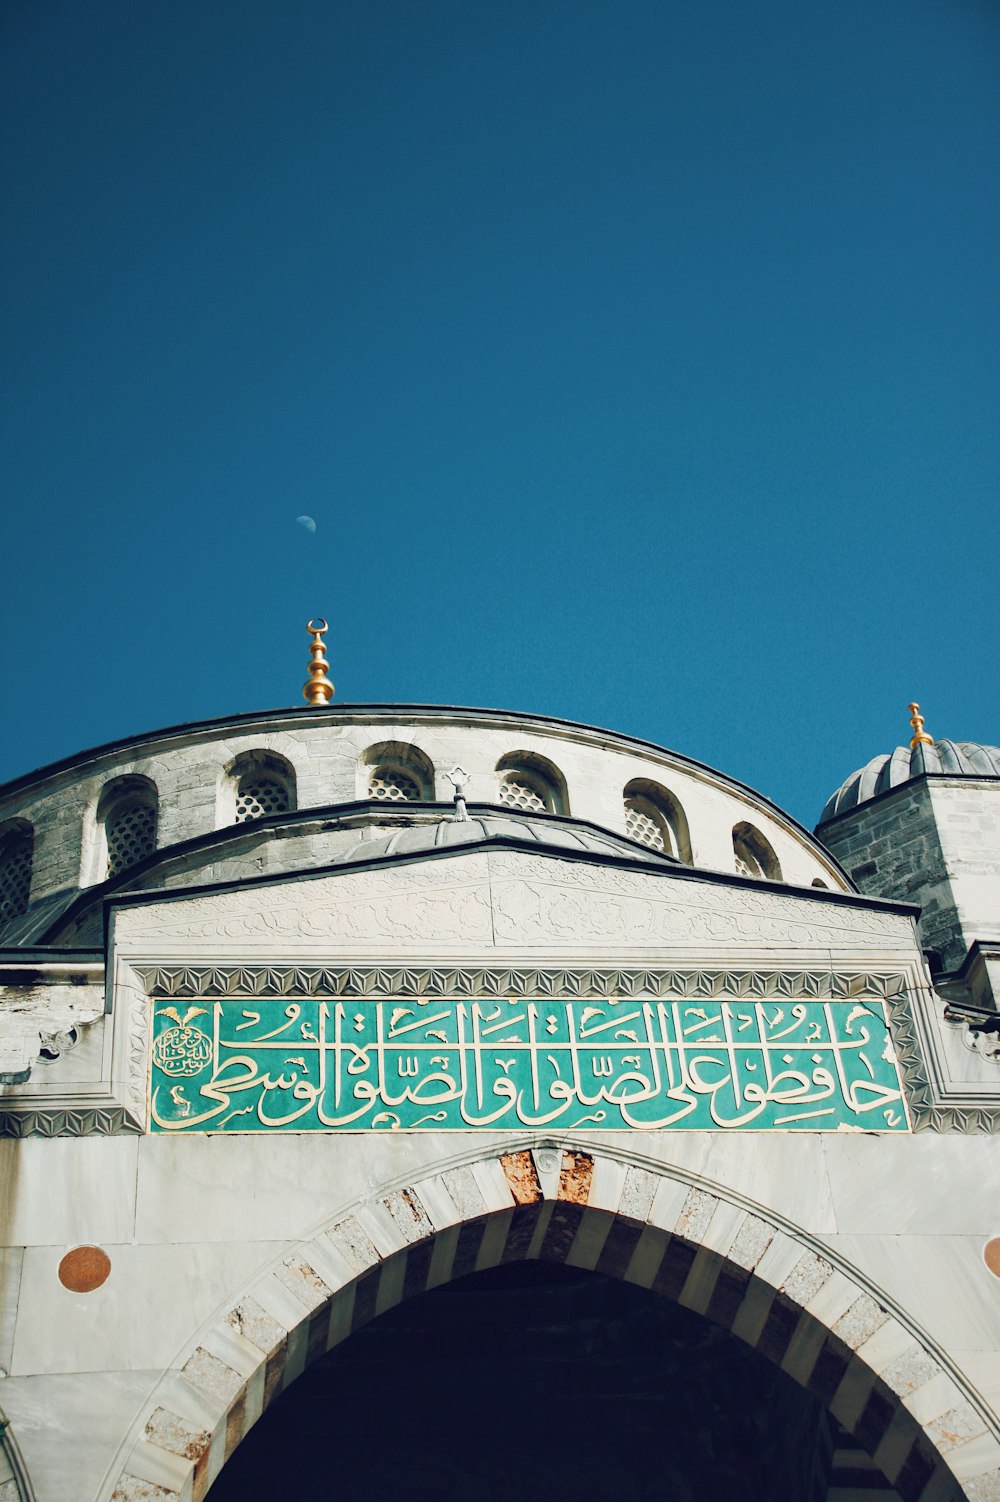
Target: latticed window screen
<point x="131" y="836"/>
<point x="15" y="875"/>
<point x="392" y="785"/>
<point x="259" y="796"/>
<point x="643" y="824"/>
<point x="747" y="863"/>
<point x="517" y="792"/>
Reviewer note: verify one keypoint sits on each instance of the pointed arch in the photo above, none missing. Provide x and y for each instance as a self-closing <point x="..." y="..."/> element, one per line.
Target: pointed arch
<point x="777" y="1290"/>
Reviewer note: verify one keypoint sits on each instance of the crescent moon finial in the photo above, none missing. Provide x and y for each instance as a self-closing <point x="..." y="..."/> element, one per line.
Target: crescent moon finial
<point x="317" y="690"/>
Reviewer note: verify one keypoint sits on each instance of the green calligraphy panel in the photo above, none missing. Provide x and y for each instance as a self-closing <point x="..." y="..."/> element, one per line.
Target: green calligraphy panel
<point x="306" y="1064"/>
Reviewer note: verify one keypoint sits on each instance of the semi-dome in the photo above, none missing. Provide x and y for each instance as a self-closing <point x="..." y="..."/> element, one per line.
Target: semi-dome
<point x="941" y="758"/>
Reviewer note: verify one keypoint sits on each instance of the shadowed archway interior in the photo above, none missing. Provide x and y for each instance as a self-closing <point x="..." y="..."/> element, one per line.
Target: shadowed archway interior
<point x="587" y="1385"/>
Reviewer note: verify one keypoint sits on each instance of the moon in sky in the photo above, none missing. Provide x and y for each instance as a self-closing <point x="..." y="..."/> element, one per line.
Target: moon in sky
<point x="307" y="522"/>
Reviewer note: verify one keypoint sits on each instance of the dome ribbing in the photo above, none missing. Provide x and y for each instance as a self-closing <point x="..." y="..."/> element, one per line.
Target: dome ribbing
<point x="941" y="759"/>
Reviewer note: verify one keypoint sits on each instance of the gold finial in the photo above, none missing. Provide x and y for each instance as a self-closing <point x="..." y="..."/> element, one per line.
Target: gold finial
<point x="318" y="690"/>
<point x="920" y="736"/>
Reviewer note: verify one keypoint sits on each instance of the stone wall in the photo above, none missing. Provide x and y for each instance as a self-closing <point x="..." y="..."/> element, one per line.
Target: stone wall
<point x="891" y="848"/>
<point x="933" y="841"/>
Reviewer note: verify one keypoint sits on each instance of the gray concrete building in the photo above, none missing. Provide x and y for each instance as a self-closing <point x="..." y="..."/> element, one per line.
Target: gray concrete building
<point x="370" y="1066"/>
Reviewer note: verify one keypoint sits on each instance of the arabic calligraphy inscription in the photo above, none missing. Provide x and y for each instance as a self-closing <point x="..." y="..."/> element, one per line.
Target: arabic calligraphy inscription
<point x="308" y="1064"/>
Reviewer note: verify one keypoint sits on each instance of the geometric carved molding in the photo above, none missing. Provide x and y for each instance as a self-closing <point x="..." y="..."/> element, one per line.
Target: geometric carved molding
<point x="48" y="1121"/>
<point x="193" y="982"/>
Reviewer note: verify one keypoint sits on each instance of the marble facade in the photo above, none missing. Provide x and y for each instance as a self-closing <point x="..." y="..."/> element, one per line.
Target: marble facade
<point x="854" y="1259"/>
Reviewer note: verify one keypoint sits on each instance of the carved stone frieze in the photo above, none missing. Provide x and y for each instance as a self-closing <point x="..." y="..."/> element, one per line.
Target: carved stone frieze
<point x="42" y="1021"/>
<point x="537" y="900"/>
<point x="511" y="898"/>
<point x="392" y="906"/>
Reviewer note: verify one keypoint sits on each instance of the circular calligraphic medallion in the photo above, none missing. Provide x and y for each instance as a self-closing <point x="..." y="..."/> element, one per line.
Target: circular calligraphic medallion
<point x="991" y="1255"/>
<point x="182" y="1051"/>
<point x="84" y="1269"/>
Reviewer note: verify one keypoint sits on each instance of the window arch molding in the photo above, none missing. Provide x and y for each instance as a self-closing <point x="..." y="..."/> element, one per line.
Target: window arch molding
<point x="257" y="783"/>
<point x="17" y="856"/>
<point x="531" y="783"/>
<point x="753" y="854"/>
<point x="395" y="772"/>
<point x="651" y="810"/>
<point x="127" y="817"/>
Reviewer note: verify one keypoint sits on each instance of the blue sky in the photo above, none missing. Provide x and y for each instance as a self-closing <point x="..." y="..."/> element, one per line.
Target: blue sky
<point x="638" y="363"/>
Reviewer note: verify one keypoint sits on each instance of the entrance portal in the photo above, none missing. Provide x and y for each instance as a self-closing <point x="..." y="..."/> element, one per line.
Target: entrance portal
<point x="584" y="1386"/>
<point x="720" y="1259"/>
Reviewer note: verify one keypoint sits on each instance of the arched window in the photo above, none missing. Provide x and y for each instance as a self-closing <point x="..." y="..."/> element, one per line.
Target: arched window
<point x="818" y="883"/>
<point x="263" y="784"/>
<point x="655" y="818"/>
<point x="753" y="855"/>
<point x="396" y="772"/>
<point x="531" y="783"/>
<point x="126" y="812"/>
<point x="17" y="848"/>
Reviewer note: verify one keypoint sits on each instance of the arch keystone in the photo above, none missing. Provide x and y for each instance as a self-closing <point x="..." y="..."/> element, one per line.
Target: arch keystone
<point x="858" y="1323"/>
<point x="984" y="1489"/>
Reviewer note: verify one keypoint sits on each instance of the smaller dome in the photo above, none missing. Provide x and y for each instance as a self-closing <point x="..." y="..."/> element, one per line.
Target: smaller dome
<point x="451" y="833"/>
<point x="943" y="758"/>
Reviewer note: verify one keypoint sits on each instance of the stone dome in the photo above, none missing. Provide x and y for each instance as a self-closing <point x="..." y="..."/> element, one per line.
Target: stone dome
<point x="941" y="759"/>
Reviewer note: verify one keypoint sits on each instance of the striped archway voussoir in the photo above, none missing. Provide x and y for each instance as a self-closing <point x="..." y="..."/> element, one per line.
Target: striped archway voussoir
<point x="712" y="1255"/>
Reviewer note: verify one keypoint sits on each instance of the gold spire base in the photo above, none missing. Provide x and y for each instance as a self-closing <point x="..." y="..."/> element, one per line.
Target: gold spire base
<point x="317" y="690"/>
<point x="920" y="736"/>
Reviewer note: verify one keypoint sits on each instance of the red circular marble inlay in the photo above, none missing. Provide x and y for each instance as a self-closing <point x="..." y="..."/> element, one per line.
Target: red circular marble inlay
<point x="991" y="1255"/>
<point x="84" y="1269"/>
